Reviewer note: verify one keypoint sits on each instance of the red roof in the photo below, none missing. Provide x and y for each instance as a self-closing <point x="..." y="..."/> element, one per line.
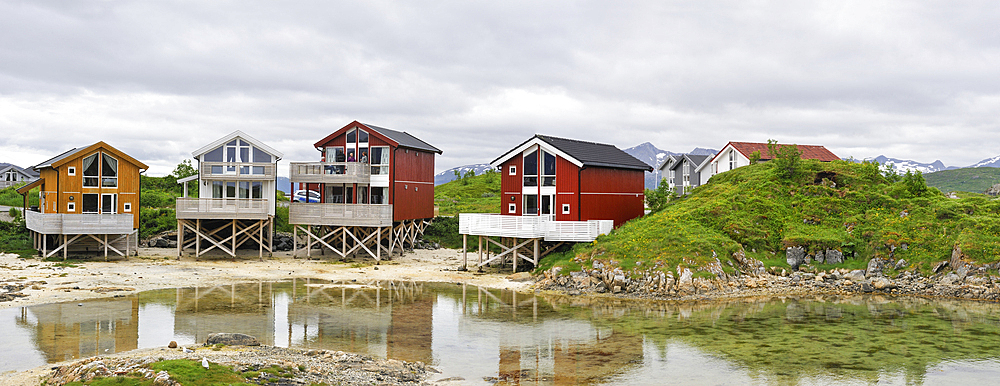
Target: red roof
<point x="815" y="152"/>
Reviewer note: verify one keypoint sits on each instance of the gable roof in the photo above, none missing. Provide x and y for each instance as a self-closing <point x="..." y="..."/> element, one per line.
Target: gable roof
<point x="28" y="172"/>
<point x="69" y="155"/>
<point x="695" y="160"/>
<point x="395" y="138"/>
<point x="241" y="135"/>
<point x="580" y="153"/>
<point x="815" y="152"/>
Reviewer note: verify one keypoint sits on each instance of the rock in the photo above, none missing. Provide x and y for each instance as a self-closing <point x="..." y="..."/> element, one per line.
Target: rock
<point x="795" y="256"/>
<point x="820" y="257"/>
<point x="856" y="276"/>
<point x="834" y="256"/>
<point x="865" y="287"/>
<point x="939" y="266"/>
<point x="883" y="283"/>
<point x="875" y="267"/>
<point x="162" y="243"/>
<point x="520" y="277"/>
<point x="686" y="281"/>
<point x="900" y="264"/>
<point x="993" y="190"/>
<point x="172" y="344"/>
<point x="232" y="339"/>
<point x="950" y="279"/>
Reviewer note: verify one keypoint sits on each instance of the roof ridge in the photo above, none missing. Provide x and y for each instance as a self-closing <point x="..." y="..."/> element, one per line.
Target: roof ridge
<point x="575" y="140"/>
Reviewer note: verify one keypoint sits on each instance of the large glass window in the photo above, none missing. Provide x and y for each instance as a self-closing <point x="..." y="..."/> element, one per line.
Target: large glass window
<point x="531" y="169"/>
<point x="547" y="204"/>
<point x="530" y="204"/>
<point x="217" y="189"/>
<point x="90" y="203"/>
<point x="379" y="196"/>
<point x="109" y="203"/>
<point x="548" y="169"/>
<point x="230" y="189"/>
<point x="362" y="194"/>
<point x="109" y="172"/>
<point x="380" y="160"/>
<point x="352" y="137"/>
<point x="257" y="190"/>
<point x="214" y="155"/>
<point x="362" y="136"/>
<point x="244" y="189"/>
<point x="260" y="156"/>
<point x="91" y="171"/>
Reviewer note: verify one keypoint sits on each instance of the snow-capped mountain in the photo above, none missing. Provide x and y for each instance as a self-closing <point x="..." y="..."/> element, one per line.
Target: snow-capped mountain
<point x="449" y="175"/>
<point x="904" y="165"/>
<point x="993" y="162"/>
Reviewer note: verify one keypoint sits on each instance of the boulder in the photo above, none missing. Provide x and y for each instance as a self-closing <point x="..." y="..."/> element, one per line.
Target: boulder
<point x="520" y="277"/>
<point x="883" y="283"/>
<point x="993" y="190"/>
<point x="231" y="339"/>
<point x="820" y="257"/>
<point x="834" y="256"/>
<point x="856" y="276"/>
<point x="950" y="279"/>
<point x="686" y="281"/>
<point x="875" y="268"/>
<point x="795" y="256"/>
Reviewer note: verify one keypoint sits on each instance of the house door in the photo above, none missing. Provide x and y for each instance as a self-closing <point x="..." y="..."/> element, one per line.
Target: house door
<point x="546" y="204"/>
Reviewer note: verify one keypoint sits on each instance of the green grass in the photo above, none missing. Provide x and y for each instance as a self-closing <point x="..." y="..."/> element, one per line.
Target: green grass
<point x="10" y="197"/>
<point x="838" y="205"/>
<point x="475" y="194"/>
<point x="975" y="180"/>
<point x="184" y="371"/>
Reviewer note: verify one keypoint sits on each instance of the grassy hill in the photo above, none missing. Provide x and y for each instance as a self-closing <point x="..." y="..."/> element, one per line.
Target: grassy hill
<point x="836" y="205"/>
<point x="473" y="194"/>
<point x="975" y="180"/>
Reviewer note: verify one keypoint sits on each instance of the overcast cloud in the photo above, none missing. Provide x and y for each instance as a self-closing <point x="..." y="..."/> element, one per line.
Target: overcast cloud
<point x="159" y="79"/>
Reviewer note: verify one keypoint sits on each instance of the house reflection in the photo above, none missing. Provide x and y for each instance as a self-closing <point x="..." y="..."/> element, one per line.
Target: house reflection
<point x="243" y="308"/>
<point x="67" y="331"/>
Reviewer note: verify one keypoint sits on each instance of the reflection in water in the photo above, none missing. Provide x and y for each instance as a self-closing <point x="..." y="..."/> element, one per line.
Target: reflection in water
<point x="502" y="337"/>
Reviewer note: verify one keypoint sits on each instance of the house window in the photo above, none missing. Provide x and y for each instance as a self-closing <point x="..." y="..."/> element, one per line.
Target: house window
<point x="732" y="159"/>
<point x="530" y="204"/>
<point x="109" y="203"/>
<point x="91" y="173"/>
<point x="91" y="203"/>
<point x="548" y="169"/>
<point x="128" y="207"/>
<point x="531" y="169"/>
<point x="670" y="178"/>
<point x="380" y="160"/>
<point x="512" y="208"/>
<point x="109" y="171"/>
<point x="565" y="208"/>
<point x="257" y="190"/>
<point x="71" y="170"/>
<point x="71" y="207"/>
<point x="512" y="171"/>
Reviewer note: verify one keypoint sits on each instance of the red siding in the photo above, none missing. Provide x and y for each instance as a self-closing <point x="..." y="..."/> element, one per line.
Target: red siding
<point x="412" y="180"/>
<point x="567" y="186"/>
<point x="510" y="186"/>
<point x="611" y="194"/>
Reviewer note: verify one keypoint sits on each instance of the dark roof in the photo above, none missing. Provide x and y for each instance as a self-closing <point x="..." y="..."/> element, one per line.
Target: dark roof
<point x="55" y="159"/>
<point x="696" y="159"/>
<point x="693" y="159"/>
<point x="591" y="154"/>
<point x="404" y="139"/>
<point x="28" y="172"/>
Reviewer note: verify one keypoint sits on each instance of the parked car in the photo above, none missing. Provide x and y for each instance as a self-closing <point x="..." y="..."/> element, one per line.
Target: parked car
<point x="306" y="196"/>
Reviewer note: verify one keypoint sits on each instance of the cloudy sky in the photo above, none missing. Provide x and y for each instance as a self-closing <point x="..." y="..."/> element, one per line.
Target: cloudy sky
<point x="159" y="79"/>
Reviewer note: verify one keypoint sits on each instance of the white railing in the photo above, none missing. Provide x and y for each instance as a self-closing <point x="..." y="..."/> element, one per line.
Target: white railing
<point x="223" y="208"/>
<point x="71" y="224"/>
<point x="488" y="224"/>
<point x="301" y="213"/>
<point x="330" y="172"/>
<point x="237" y="170"/>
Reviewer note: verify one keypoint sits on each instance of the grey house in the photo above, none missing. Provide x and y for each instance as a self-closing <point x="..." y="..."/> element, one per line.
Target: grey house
<point x="682" y="172"/>
<point x="11" y="175"/>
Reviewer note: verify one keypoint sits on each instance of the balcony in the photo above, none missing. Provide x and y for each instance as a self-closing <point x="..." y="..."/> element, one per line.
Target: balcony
<point x="301" y="213"/>
<point x="237" y="171"/>
<point x="78" y="224"/>
<point x="223" y="208"/>
<point x="331" y="172"/>
<point x="530" y="227"/>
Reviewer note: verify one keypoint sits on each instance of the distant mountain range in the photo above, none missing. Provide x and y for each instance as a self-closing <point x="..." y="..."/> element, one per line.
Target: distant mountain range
<point x="904" y="165"/>
<point x="654" y="157"/>
<point x="449" y="175"/>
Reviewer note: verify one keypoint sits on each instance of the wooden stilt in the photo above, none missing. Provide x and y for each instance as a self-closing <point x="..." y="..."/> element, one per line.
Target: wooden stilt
<point x="197" y="240"/>
<point x="260" y="244"/>
<point x="465" y="251"/>
<point x="105" y="247"/>
<point x="233" y="253"/>
<point x="180" y="235"/>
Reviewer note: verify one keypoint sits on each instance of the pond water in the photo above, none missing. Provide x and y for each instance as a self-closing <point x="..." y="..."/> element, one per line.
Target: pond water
<point x="489" y="336"/>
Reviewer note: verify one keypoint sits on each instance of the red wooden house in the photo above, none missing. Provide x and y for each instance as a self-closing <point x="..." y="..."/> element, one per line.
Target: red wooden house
<point x="560" y="190"/>
<point x="371" y="183"/>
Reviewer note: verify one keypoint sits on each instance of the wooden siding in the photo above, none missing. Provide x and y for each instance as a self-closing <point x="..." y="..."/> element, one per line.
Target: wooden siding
<point x="611" y="194"/>
<point x="60" y="223"/>
<point x="510" y="186"/>
<point x="412" y="183"/>
<point x="340" y="214"/>
<point x="567" y="190"/>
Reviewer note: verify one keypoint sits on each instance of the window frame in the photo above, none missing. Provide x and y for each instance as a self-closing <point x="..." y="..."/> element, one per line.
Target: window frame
<point x="565" y="208"/>
<point x="512" y="208"/>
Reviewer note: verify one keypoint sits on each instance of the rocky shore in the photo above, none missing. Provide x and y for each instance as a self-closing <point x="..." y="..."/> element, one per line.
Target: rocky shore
<point x="955" y="278"/>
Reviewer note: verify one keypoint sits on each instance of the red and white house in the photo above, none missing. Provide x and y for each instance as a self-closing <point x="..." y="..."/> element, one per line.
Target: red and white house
<point x="372" y="184"/>
<point x="738" y="154"/>
<point x="560" y="190"/>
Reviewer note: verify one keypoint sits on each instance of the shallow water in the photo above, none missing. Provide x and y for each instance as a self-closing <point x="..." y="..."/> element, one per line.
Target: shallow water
<point x="492" y="336"/>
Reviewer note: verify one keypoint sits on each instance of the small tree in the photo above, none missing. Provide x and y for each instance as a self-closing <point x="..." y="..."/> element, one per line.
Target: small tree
<point x="657" y="199"/>
<point x="785" y="158"/>
<point x="914" y="182"/>
<point x="186" y="169"/>
<point x="755" y="157"/>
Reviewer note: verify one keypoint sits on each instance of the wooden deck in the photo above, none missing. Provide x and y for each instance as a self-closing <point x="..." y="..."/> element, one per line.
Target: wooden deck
<point x="75" y="224"/>
<point x="244" y="171"/>
<point x="531" y="227"/>
<point x="330" y="172"/>
<point x="340" y="214"/>
<point x="223" y="208"/>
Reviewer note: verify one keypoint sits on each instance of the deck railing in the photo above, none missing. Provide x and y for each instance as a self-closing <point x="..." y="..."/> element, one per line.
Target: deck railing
<point x="237" y="171"/>
<point x="223" y="208"/>
<point x="488" y="224"/>
<point x="330" y="172"/>
<point x="72" y="224"/>
<point x="301" y="213"/>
